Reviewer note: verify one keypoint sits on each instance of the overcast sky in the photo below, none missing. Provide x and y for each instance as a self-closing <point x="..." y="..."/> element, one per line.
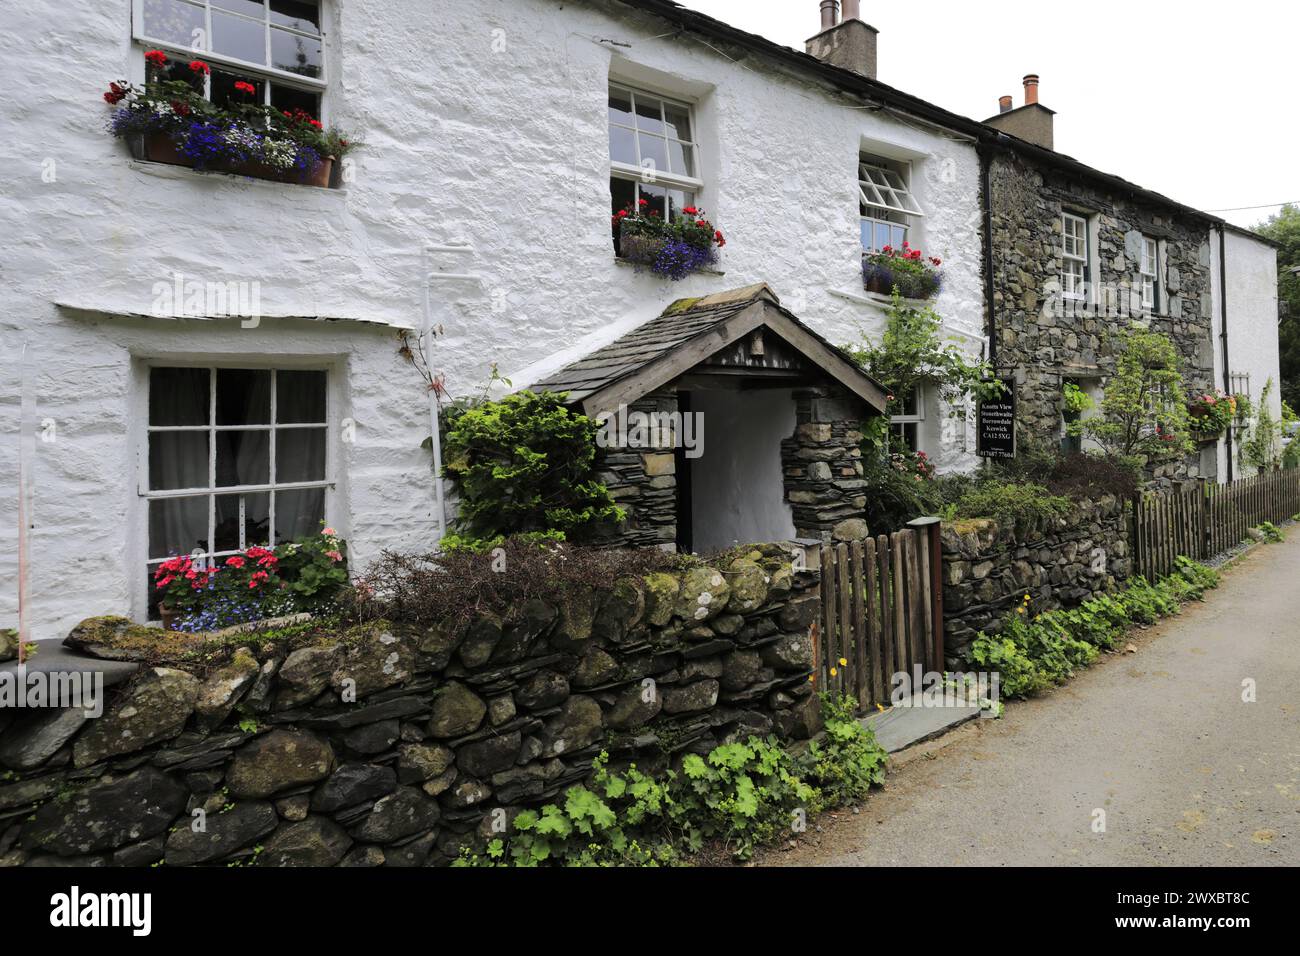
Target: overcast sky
<point x="1196" y="101"/>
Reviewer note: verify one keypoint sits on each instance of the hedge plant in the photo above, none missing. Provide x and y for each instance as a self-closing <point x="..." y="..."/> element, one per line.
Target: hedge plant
<point x="525" y="464"/>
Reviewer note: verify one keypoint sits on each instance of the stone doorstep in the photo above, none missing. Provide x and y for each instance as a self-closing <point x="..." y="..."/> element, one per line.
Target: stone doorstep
<point x="900" y="727"/>
<point x="53" y="656"/>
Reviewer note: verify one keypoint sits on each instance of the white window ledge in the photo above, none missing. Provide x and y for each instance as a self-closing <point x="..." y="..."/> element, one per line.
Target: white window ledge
<point x="629" y="264"/>
<point x="170" y="171"/>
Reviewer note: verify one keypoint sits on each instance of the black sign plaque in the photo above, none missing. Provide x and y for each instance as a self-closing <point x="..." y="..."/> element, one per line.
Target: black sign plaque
<point x="995" y="424"/>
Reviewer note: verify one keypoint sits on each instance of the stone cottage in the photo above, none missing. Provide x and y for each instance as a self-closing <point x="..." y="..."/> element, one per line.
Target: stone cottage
<point x="1079" y="255"/>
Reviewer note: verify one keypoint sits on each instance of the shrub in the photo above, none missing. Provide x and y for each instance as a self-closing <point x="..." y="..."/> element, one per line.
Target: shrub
<point x="1022" y="504"/>
<point x="1272" y="533"/>
<point x="525" y="463"/>
<point x="847" y="762"/>
<point x="448" y="588"/>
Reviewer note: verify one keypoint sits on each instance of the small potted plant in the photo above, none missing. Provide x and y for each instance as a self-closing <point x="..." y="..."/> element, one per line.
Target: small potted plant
<point x="915" y="275"/>
<point x="676" y="249"/>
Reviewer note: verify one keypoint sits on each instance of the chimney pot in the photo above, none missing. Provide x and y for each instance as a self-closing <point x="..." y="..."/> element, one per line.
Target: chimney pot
<point x="852" y="10"/>
<point x="1031" y="88"/>
<point x="830" y="13"/>
<point x="1004" y="104"/>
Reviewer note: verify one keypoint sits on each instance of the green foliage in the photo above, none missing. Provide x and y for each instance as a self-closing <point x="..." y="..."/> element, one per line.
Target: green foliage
<point x="525" y="463"/>
<point x="1022" y="504"/>
<point x="911" y="351"/>
<point x="1076" y="400"/>
<point x="1144" y="410"/>
<point x="1291" y="454"/>
<point x="743" y="794"/>
<point x="1284" y="228"/>
<point x="847" y="762"/>
<point x="1272" y="533"/>
<point x="1034" y="652"/>
<point x="314" y="568"/>
<point x="1262" y="444"/>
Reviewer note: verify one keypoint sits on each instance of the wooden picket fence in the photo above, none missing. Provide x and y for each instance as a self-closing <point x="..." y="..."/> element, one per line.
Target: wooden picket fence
<point x="882" y="612"/>
<point x="1203" y="519"/>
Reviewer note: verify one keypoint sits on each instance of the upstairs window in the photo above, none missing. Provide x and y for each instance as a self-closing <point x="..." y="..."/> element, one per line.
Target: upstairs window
<point x="886" y="205"/>
<point x="1150" y="274"/>
<point x="1074" y="256"/>
<point x="653" y="152"/>
<point x="276" y="45"/>
<point x="234" y="457"/>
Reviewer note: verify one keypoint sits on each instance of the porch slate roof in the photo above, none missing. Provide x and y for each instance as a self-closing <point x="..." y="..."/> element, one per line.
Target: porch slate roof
<point x="688" y="332"/>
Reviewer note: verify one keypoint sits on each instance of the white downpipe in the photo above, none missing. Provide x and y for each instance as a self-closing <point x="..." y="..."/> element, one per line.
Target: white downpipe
<point x="427" y="336"/>
<point x="26" y="462"/>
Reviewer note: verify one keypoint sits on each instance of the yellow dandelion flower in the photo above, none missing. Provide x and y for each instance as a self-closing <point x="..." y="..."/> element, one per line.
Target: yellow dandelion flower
<point x="880" y="707"/>
<point x="1020" y="610"/>
<point x="812" y="678"/>
<point x="843" y="662"/>
<point x="834" y="671"/>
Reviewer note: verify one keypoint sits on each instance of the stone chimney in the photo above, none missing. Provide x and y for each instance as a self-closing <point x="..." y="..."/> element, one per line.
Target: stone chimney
<point x="1032" y="122"/>
<point x="847" y="42"/>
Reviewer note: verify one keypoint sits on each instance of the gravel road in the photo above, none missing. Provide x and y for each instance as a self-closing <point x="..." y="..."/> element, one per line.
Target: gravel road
<point x="1158" y="738"/>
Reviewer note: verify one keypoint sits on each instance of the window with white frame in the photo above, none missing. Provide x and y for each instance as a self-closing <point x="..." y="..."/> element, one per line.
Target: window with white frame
<point x="277" y="46"/>
<point x="1150" y="273"/>
<point x="905" y="427"/>
<point x="653" y="152"/>
<point x="234" y="457"/>
<point x="1074" y="256"/>
<point x="886" y="205"/>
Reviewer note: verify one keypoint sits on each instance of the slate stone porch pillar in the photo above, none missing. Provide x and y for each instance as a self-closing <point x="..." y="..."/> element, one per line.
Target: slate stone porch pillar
<point x="822" y="461"/>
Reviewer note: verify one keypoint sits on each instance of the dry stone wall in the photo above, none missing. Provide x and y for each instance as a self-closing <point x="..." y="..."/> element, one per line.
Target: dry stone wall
<point x="989" y="566"/>
<point x="391" y="744"/>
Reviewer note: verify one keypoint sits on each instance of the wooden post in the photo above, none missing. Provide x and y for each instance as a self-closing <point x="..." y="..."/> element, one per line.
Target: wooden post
<point x="934" y="530"/>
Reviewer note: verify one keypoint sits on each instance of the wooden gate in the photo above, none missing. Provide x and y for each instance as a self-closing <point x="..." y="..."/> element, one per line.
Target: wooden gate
<point x="882" y="612"/>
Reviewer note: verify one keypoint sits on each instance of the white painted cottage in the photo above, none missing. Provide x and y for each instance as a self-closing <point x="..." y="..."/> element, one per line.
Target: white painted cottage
<point x="162" y="418"/>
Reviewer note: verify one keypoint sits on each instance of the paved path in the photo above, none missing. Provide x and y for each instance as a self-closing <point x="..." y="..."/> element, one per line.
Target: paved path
<point x="1159" y="739"/>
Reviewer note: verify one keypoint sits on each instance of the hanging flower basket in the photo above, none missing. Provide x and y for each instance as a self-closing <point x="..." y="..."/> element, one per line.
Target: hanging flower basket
<point x="674" y="249"/>
<point x="915" y="275"/>
<point x="169" y="121"/>
<point x="1209" y="415"/>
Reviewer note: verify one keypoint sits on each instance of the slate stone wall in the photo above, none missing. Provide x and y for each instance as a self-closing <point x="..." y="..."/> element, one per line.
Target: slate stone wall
<point x="1042" y="340"/>
<point x="393" y="744"/>
<point x="822" y="462"/>
<point x="989" y="567"/>
<point x="643" y="482"/>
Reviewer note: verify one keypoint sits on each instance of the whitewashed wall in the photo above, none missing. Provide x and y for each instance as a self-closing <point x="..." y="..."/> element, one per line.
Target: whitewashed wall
<point x="1252" y="326"/>
<point x="485" y="124"/>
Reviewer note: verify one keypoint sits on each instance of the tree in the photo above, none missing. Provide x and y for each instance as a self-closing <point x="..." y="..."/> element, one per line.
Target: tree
<point x="1144" y="411"/>
<point x="1284" y="228"/>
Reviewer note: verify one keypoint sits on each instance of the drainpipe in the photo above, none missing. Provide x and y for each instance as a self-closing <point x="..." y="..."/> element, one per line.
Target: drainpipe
<point x="985" y="151"/>
<point x="1223" y="335"/>
<point x="427" y="334"/>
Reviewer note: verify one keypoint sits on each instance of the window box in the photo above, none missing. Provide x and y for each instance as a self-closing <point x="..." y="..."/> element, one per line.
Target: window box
<point x="170" y="120"/>
<point x="673" y="250"/>
<point x="160" y="148"/>
<point x="914" y="275"/>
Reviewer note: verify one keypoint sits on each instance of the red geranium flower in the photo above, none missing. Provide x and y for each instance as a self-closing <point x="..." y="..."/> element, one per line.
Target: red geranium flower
<point x="156" y="57"/>
<point x="198" y="66"/>
<point x="243" y="87"/>
<point x="234" y="561"/>
<point x="116" y="93"/>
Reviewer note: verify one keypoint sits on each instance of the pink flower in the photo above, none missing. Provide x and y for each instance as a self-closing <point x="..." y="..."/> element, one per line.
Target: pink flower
<point x="333" y="555"/>
<point x="329" y="531"/>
